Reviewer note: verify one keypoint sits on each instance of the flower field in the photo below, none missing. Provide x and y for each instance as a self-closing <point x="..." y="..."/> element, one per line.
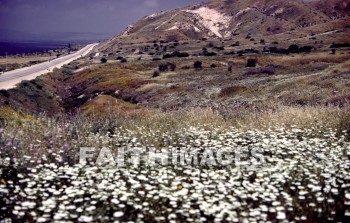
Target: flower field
<point x="300" y="175"/>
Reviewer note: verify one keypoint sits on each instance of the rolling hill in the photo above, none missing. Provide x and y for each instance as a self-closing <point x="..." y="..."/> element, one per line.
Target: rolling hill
<point x="238" y="19"/>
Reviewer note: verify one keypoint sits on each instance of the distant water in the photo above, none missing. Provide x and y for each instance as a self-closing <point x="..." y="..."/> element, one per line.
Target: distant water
<point x="28" y="47"/>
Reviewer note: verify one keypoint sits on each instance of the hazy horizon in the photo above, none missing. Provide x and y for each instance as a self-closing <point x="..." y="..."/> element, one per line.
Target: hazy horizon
<point x="109" y="17"/>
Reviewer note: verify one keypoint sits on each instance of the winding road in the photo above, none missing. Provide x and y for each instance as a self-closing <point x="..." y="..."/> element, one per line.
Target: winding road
<point x="10" y="79"/>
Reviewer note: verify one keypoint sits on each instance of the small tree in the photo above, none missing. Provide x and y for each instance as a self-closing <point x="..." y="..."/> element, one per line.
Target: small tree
<point x="251" y="62"/>
<point x="103" y="60"/>
<point x="197" y="65"/>
<point x="333" y="51"/>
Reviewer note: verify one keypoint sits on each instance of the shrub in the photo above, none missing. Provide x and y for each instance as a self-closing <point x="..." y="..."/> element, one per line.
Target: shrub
<point x="166" y="56"/>
<point x="213" y="66"/>
<point x="265" y="70"/>
<point x="103" y="60"/>
<point x="251" y="62"/>
<point x="209" y="54"/>
<point x="228" y="91"/>
<point x="156" y="74"/>
<point x="305" y="49"/>
<point x="220" y="48"/>
<point x="123" y="60"/>
<point x="293" y="48"/>
<point x="235" y="44"/>
<point x="229" y="68"/>
<point x="183" y="54"/>
<point x="340" y="45"/>
<point x="67" y="70"/>
<point x="176" y="54"/>
<point x="229" y="53"/>
<point x="167" y="66"/>
<point x="185" y="67"/>
<point x="197" y="65"/>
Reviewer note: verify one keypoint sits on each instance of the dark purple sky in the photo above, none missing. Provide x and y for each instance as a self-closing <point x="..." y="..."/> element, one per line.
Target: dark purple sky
<point x="102" y="16"/>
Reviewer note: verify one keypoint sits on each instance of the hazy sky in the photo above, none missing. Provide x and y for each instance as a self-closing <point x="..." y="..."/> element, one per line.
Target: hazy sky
<point x="103" y="16"/>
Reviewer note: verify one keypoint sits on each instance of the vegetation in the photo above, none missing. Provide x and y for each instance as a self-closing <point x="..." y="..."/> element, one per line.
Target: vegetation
<point x="167" y="66"/>
<point x="251" y="62"/>
<point x="197" y="65"/>
<point x="103" y="60"/>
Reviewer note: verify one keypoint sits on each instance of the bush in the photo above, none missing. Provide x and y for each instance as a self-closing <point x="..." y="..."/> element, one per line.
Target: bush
<point x="251" y="62"/>
<point x="220" y="48"/>
<point x="166" y="56"/>
<point x="156" y="74"/>
<point x="213" y="66"/>
<point x="229" y="53"/>
<point x="340" y="45"/>
<point x="123" y="60"/>
<point x="197" y="65"/>
<point x="305" y="49"/>
<point x="235" y="44"/>
<point x="230" y="67"/>
<point x="103" y="60"/>
<point x="183" y="54"/>
<point x="293" y="48"/>
<point x="67" y="70"/>
<point x="167" y="66"/>
<point x="265" y="70"/>
<point x="176" y="54"/>
<point x="209" y="54"/>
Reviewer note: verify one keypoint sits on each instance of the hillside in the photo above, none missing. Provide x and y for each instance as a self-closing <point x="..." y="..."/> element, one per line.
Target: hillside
<point x="237" y="19"/>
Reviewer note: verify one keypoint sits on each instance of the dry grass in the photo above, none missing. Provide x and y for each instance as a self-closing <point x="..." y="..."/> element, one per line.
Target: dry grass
<point x="302" y="59"/>
<point x="107" y="106"/>
<point x="23" y="60"/>
<point x="298" y="116"/>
